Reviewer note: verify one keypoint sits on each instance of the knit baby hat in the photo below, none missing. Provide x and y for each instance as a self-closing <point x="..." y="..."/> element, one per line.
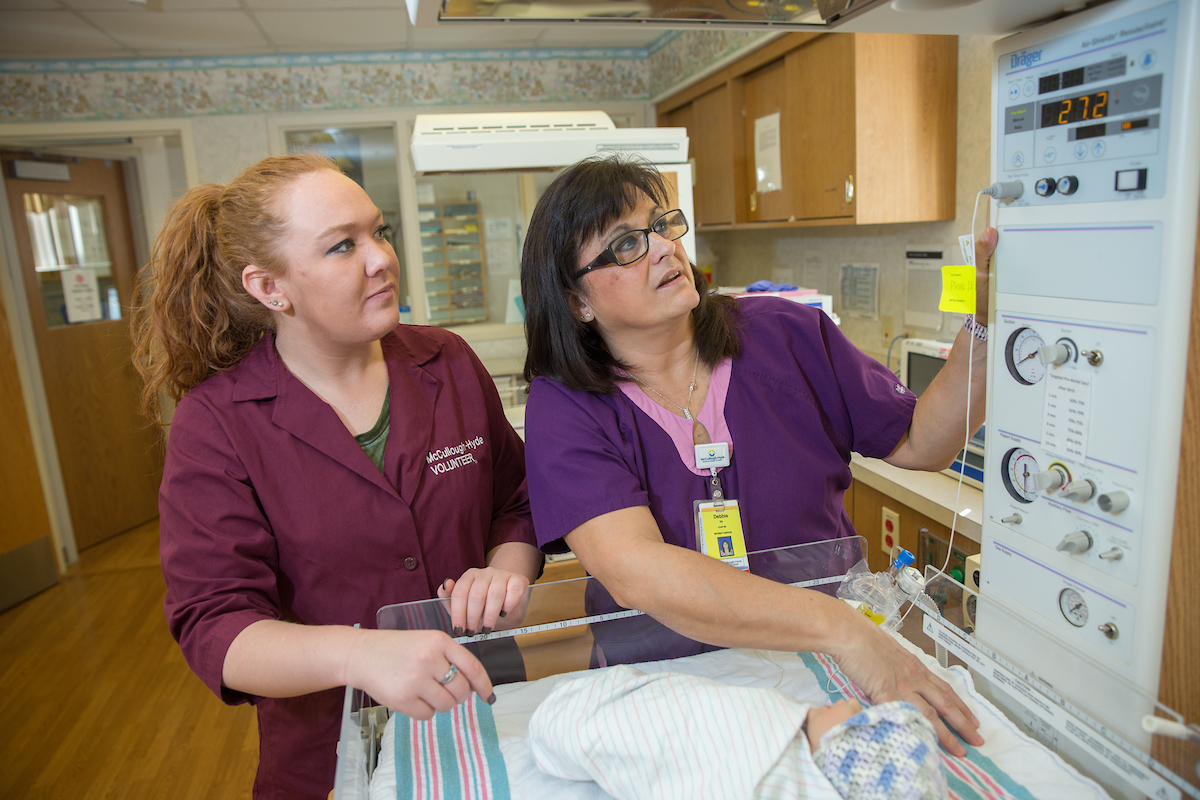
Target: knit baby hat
<point x="888" y="751"/>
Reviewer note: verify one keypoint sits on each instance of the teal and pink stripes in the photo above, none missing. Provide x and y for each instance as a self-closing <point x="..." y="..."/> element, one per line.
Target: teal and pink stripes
<point x="454" y="756"/>
<point x="975" y="777"/>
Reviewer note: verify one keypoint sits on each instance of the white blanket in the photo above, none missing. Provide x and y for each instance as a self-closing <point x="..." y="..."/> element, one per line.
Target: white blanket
<point x="1009" y="765"/>
<point x="674" y="736"/>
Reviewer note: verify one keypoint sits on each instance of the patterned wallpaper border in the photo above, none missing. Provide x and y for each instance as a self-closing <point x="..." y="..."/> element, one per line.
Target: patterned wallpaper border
<point x="51" y="91"/>
<point x="318" y="60"/>
<point x="691" y="52"/>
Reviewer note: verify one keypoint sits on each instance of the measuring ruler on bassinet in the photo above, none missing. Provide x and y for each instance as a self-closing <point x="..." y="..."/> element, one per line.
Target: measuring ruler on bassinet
<point x="572" y="623"/>
<point x="1155" y="780"/>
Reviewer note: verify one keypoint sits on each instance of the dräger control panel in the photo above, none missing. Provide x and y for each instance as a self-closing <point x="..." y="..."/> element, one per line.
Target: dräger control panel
<point x="1084" y="118"/>
<point x="1094" y="120"/>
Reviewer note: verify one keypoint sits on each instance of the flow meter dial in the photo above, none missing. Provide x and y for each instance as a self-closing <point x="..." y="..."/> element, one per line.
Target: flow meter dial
<point x="1021" y="356"/>
<point x="1018" y="468"/>
<point x="1073" y="607"/>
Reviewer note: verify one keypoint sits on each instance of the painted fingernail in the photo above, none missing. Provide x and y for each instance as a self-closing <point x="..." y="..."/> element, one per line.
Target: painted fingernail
<point x="458" y="631"/>
<point x="503" y="613"/>
<point x="468" y="633"/>
<point x="491" y="699"/>
<point x="485" y="630"/>
<point x="445" y="582"/>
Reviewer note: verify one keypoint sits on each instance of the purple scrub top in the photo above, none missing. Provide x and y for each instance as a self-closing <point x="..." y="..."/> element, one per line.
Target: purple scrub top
<point x="801" y="398"/>
<point x="271" y="510"/>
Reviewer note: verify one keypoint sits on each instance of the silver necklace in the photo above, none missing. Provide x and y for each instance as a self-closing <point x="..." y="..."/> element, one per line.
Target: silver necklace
<point x="700" y="434"/>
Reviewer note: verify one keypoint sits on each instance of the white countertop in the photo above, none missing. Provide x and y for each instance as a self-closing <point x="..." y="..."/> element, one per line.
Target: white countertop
<point x="931" y="493"/>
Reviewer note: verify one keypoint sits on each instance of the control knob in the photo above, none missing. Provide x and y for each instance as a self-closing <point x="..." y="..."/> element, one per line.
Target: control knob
<point x="1049" y="480"/>
<point x="1080" y="491"/>
<point x="1068" y="184"/>
<point x="1109" y="630"/>
<point x="1045" y="187"/>
<point x="1077" y="542"/>
<point x="1113" y="502"/>
<point x="1054" y="353"/>
<point x="1113" y="554"/>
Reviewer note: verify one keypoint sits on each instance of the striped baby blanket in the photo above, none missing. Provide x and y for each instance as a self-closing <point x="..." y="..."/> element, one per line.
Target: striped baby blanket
<point x="481" y="751"/>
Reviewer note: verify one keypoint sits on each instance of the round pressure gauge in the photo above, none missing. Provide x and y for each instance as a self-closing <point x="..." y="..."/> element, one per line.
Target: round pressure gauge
<point x="1073" y="607"/>
<point x="1018" y="468"/>
<point x="1021" y="356"/>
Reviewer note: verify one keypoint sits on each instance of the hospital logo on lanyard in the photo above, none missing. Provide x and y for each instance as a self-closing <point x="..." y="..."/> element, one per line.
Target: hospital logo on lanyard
<point x="449" y="458"/>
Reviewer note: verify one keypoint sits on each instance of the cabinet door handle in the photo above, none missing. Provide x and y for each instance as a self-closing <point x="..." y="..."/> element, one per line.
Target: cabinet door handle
<point x="850" y="189"/>
<point x="753" y="202"/>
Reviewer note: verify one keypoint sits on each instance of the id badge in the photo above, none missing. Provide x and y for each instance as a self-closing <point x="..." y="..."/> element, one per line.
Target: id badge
<point x="719" y="532"/>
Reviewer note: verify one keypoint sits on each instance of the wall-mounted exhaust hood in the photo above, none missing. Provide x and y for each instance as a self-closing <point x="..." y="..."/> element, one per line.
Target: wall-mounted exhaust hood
<point x="534" y="140"/>
<point x="988" y="17"/>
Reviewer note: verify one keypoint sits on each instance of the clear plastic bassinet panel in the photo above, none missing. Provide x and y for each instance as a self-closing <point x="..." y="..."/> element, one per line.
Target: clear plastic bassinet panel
<point x="565" y="626"/>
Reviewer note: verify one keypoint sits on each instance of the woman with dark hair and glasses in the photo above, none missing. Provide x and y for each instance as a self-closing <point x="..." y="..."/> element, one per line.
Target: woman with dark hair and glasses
<point x="649" y="394"/>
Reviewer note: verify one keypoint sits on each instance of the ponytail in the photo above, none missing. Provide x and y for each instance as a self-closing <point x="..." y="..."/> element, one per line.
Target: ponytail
<point x="192" y="317"/>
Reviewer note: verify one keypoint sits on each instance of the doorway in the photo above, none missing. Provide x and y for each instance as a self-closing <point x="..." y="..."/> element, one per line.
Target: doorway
<point x="77" y="258"/>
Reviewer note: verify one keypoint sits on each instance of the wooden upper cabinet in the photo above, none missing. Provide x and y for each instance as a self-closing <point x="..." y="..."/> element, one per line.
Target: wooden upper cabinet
<point x="866" y="131"/>
<point x="765" y="98"/>
<point x="821" y="123"/>
<point x="710" y="144"/>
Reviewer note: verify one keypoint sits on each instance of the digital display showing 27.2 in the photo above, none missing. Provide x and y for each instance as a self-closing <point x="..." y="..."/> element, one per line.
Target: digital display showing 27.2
<point x="1075" y="109"/>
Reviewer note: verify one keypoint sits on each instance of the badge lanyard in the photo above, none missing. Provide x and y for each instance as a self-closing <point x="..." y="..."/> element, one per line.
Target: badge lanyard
<point x="718" y="519"/>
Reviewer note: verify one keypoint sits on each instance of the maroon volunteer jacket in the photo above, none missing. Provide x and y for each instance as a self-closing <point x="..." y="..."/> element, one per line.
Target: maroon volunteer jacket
<point x="270" y="510"/>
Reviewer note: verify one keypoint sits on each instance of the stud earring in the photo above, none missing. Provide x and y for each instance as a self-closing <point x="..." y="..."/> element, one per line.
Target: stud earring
<point x="586" y="316"/>
<point x="276" y="303"/>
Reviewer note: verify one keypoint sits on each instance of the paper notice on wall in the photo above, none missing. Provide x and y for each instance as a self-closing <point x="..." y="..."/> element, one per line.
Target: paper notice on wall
<point x="425" y="194"/>
<point x="922" y="286"/>
<point x="860" y="290"/>
<point x="500" y="258"/>
<point x="81" y="295"/>
<point x="498" y="228"/>
<point x="815" y="274"/>
<point x="1066" y="413"/>
<point x="768" y="169"/>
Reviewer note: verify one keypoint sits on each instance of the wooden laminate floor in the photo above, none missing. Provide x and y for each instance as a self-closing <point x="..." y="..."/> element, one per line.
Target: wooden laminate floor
<point x="96" y="699"/>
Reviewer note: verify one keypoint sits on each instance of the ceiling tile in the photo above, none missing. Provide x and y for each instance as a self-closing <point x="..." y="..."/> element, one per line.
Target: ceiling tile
<point x="53" y="35"/>
<point x="30" y="5"/>
<point x="336" y="31"/>
<point x="168" y="6"/>
<point x="182" y="32"/>
<point x="323" y="5"/>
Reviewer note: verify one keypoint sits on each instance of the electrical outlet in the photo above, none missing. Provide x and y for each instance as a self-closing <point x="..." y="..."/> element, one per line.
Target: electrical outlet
<point x="889" y="530"/>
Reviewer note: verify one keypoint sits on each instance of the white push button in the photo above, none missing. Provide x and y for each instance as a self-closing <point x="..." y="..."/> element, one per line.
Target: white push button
<point x="1131" y="180"/>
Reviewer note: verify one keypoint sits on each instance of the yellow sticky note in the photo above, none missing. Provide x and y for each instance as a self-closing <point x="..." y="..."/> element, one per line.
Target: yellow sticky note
<point x="958" y="290"/>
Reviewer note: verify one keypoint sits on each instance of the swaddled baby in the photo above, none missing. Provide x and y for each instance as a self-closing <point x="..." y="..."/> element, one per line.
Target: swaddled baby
<point x="673" y="735"/>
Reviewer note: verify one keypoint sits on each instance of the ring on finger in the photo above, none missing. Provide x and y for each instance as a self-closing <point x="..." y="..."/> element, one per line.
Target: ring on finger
<point x="450" y="673"/>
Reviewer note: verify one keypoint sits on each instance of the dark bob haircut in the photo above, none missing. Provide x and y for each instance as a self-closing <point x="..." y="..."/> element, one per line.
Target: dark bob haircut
<point x="580" y="204"/>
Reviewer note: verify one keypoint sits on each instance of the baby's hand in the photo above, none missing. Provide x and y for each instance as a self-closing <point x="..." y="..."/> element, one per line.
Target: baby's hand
<point x="822" y="719"/>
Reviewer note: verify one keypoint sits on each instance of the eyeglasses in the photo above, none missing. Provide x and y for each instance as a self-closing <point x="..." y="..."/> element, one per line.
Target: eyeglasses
<point x="629" y="247"/>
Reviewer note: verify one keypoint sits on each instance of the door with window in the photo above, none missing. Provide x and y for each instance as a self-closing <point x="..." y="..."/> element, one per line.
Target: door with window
<point x="72" y="231"/>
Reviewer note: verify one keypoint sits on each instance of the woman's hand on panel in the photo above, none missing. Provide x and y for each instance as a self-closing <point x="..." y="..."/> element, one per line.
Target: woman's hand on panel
<point x="483" y="600"/>
<point x="985" y="245"/>
<point x="416" y="673"/>
<point x="886" y="671"/>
